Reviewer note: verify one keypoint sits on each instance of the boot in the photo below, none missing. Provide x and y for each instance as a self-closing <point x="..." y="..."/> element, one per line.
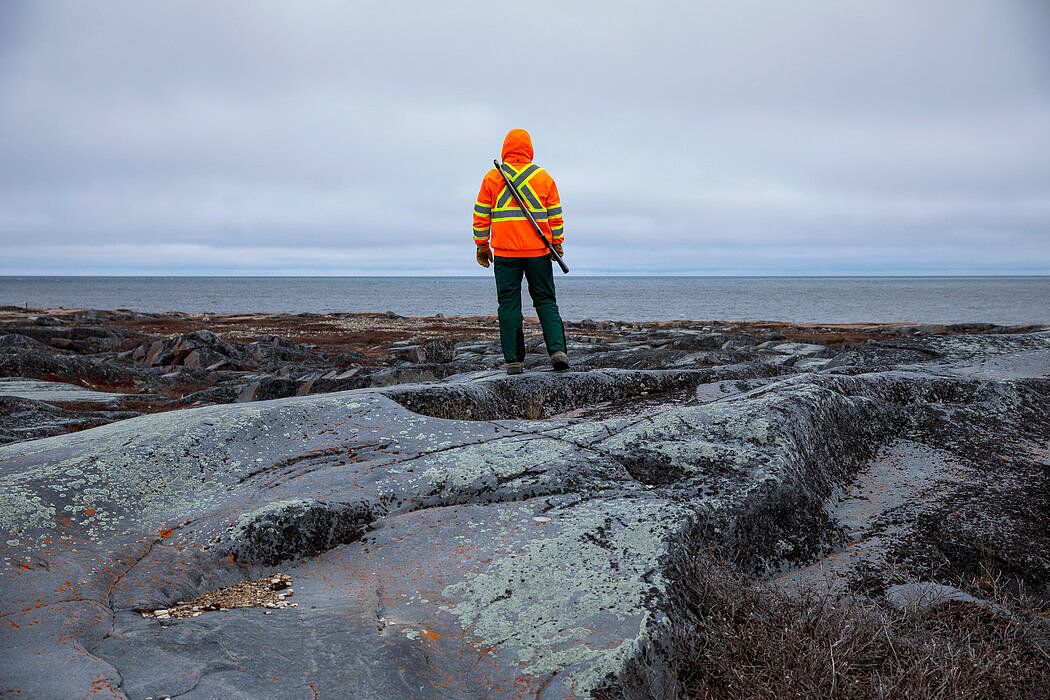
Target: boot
<point x="516" y="367"/>
<point x="559" y="361"/>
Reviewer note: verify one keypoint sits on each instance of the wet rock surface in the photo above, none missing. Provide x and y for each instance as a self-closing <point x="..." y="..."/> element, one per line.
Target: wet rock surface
<point x="452" y="531"/>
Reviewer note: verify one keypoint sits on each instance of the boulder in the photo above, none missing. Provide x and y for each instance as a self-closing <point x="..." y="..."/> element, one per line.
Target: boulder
<point x="433" y="351"/>
<point x="159" y="353"/>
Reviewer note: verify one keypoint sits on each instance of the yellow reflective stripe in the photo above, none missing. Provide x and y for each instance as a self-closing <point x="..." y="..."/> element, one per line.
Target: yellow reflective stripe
<point x="529" y="196"/>
<point x="520" y="179"/>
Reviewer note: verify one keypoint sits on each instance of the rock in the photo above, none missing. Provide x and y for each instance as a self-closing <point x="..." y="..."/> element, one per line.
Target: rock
<point x="803" y="349"/>
<point x="27" y="419"/>
<point x="811" y="364"/>
<point x="541" y="519"/>
<point x="197" y="340"/>
<point x="292" y="529"/>
<point x="249" y="392"/>
<point x="926" y="595"/>
<point x="159" y="353"/>
<point x="200" y="358"/>
<point x="433" y="351"/>
<point x="17" y="340"/>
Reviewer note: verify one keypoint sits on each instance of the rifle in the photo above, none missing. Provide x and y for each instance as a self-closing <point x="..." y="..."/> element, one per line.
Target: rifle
<point x="532" y="220"/>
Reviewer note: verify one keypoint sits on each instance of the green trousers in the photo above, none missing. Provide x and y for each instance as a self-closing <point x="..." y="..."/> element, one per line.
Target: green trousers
<point x="540" y="277"/>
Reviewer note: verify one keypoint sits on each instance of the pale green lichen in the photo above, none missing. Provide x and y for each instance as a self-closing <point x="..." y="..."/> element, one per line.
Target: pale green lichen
<point x="464" y="467"/>
<point x="544" y="599"/>
<point x="139" y="469"/>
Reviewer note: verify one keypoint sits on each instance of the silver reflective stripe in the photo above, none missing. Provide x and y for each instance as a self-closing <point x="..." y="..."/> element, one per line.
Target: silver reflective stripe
<point x="556" y="211"/>
<point x="528" y="194"/>
<point x="483" y="211"/>
<point x="520" y="179"/>
<point x="518" y="214"/>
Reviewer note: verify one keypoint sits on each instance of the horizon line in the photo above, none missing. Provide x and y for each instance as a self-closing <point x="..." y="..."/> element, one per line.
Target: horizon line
<point x="484" y="276"/>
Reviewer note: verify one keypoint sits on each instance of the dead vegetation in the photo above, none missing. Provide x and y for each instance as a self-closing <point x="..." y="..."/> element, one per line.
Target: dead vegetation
<point x="267" y="592"/>
<point x="727" y="636"/>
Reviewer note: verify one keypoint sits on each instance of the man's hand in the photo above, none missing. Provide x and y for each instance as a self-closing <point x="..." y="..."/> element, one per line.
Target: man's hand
<point x="484" y="255"/>
<point x="557" y="247"/>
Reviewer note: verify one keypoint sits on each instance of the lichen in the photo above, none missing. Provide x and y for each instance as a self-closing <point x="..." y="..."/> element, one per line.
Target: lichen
<point x="594" y="571"/>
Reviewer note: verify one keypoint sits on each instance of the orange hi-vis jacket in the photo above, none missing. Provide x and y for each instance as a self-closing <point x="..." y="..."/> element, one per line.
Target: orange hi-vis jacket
<point x="499" y="221"/>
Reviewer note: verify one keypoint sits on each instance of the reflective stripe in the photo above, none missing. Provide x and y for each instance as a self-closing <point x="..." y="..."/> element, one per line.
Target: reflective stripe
<point x="531" y="198"/>
<point x="555" y="211"/>
<point x="482" y="210"/>
<point x="525" y="175"/>
<point x="518" y="179"/>
<point x="517" y="213"/>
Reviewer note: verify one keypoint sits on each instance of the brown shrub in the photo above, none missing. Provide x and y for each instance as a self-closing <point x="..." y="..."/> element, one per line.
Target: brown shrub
<point x="726" y="636"/>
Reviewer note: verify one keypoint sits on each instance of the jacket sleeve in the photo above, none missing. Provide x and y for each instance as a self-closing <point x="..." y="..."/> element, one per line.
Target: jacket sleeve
<point x="483" y="214"/>
<point x="554" y="215"/>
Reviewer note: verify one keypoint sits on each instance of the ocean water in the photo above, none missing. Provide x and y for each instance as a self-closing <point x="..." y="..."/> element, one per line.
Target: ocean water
<point x="1004" y="300"/>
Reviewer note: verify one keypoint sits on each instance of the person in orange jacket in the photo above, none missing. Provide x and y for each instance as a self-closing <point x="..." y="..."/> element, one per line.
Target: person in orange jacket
<point x="503" y="235"/>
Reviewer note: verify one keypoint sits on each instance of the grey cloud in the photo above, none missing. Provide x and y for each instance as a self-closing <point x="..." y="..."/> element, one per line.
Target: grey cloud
<point x="750" y="136"/>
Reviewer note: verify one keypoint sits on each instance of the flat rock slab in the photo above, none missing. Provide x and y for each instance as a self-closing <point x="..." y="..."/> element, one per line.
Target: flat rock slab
<point x="435" y="556"/>
<point x="40" y="390"/>
<point x="142" y="513"/>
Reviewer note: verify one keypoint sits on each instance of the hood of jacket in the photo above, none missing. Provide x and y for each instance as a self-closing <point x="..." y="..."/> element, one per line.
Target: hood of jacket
<point x="517" y="147"/>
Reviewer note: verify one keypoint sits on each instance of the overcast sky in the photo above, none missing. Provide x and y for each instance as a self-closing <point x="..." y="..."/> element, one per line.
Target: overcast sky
<point x="350" y="138"/>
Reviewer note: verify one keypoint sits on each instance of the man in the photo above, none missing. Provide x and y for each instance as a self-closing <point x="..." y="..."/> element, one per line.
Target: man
<point x="500" y="222"/>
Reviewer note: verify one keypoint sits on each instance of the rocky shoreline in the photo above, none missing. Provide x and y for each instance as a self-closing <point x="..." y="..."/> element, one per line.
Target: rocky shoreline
<point x="451" y="531"/>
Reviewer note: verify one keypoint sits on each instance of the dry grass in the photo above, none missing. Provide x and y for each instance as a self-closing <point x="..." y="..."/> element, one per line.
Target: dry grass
<point x="728" y="637"/>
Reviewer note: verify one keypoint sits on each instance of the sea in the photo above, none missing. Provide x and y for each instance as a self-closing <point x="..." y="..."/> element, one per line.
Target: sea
<point x="1001" y="300"/>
